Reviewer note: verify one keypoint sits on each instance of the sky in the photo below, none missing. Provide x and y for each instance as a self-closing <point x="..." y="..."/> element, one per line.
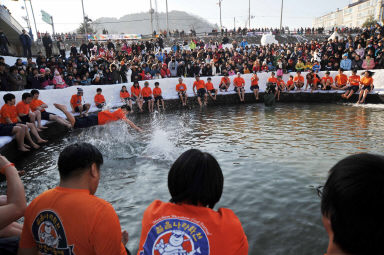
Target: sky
<point x="67" y="14"/>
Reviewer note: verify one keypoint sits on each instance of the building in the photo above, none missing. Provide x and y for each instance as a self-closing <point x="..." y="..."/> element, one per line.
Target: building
<point x="353" y="15"/>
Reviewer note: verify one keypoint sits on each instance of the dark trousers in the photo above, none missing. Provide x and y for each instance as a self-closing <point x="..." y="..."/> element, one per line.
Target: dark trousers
<point x="48" y="52"/>
<point x="27" y="51"/>
<point x="62" y="53"/>
<point x="4" y="49"/>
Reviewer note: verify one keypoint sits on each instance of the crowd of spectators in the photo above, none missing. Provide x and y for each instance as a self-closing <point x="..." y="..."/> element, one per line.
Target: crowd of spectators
<point x="126" y="61"/>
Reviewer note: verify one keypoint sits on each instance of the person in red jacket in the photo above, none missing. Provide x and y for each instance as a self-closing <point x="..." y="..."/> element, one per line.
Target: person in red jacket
<point x="164" y="72"/>
<point x="188" y="224"/>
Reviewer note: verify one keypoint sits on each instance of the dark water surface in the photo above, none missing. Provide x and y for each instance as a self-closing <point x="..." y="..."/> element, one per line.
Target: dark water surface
<point x="272" y="158"/>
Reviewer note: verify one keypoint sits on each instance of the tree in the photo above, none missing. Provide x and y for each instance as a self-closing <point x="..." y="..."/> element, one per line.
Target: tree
<point x="370" y="21"/>
<point x="81" y="30"/>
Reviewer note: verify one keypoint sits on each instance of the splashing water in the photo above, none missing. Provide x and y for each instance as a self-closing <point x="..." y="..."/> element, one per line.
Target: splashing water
<point x="161" y="147"/>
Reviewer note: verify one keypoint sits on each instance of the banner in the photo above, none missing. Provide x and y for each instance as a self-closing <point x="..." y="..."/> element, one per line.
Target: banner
<point x="101" y="37"/>
<point x="46" y="17"/>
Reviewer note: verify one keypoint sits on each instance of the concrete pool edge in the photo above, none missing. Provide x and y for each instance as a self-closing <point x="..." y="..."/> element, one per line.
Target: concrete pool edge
<point x="55" y="131"/>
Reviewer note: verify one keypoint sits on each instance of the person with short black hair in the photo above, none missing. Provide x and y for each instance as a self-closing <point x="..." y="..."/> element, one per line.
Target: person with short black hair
<point x="327" y="81"/>
<point x="158" y="95"/>
<point x="366" y="86"/>
<point x="199" y="86"/>
<point x="352" y="205"/>
<point x="255" y="85"/>
<point x="99" y="99"/>
<point x="212" y="92"/>
<point x="125" y="96"/>
<point x="136" y="95"/>
<point x="80" y="220"/>
<point x="146" y="92"/>
<point x="354" y="85"/>
<point x="25" y="114"/>
<point x="181" y="90"/>
<point x="195" y="183"/>
<point x="239" y="84"/>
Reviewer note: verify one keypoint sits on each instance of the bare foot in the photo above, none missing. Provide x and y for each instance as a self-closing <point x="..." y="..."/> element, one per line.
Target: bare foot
<point x="124" y="237"/>
<point x="42" y="127"/>
<point x="35" y="146"/>
<point x="60" y="107"/>
<point x="40" y="141"/>
<point x="27" y="146"/>
<point x="39" y="130"/>
<point x="23" y="149"/>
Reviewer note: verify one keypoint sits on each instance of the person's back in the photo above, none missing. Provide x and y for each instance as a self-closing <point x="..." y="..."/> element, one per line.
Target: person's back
<point x="69" y="219"/>
<point x="188" y="224"/>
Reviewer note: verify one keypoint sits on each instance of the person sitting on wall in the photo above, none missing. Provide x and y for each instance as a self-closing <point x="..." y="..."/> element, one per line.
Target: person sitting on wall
<point x="354" y="85"/>
<point x="99" y="99"/>
<point x="255" y="85"/>
<point x="327" y="81"/>
<point x="290" y="84"/>
<point x="298" y="80"/>
<point x="77" y="105"/>
<point x="366" y="86"/>
<point x="26" y="115"/>
<point x="201" y="93"/>
<point x="212" y="92"/>
<point x="101" y="118"/>
<point x="136" y="95"/>
<point x="225" y="83"/>
<point x="181" y="90"/>
<point x="158" y="96"/>
<point x="352" y="205"/>
<point x="312" y="81"/>
<point x="341" y="81"/>
<point x="239" y="84"/>
<point x="125" y="96"/>
<point x="181" y="226"/>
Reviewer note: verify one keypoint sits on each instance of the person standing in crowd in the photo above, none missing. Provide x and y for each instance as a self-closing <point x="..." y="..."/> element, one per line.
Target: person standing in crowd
<point x="26" y="42"/>
<point x="181" y="90"/>
<point x="346" y="63"/>
<point x="200" y="91"/>
<point x="172" y="66"/>
<point x="12" y="208"/>
<point x="366" y="86"/>
<point x="77" y="103"/>
<point x="4" y="43"/>
<point x="239" y="84"/>
<point x="47" y="42"/>
<point x="188" y="224"/>
<point x="79" y="168"/>
<point x="61" y="46"/>
<point x="352" y="205"/>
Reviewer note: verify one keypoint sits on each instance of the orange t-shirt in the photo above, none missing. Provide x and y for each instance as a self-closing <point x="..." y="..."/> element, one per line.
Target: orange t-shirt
<point x="124" y="94"/>
<point x="8" y="111"/>
<point x="71" y="221"/>
<point x="157" y="92"/>
<point x="280" y="83"/>
<point x="254" y="81"/>
<point x="209" y="86"/>
<point x="325" y="79"/>
<point x="299" y="79"/>
<point x="199" y="84"/>
<point x="354" y="80"/>
<point x="289" y="83"/>
<point x="106" y="116"/>
<point x="35" y="103"/>
<point x="341" y="79"/>
<point x="365" y="81"/>
<point x="146" y="92"/>
<point x="225" y="80"/>
<point x="181" y="87"/>
<point x="135" y="91"/>
<point x="188" y="229"/>
<point x="272" y="80"/>
<point x="75" y="101"/>
<point x="22" y="108"/>
<point x="99" y="99"/>
<point x="238" y="81"/>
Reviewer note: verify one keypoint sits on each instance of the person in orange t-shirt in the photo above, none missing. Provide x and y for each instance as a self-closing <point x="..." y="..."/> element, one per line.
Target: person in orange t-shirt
<point x="37" y="105"/>
<point x="327" y="81"/>
<point x="313" y="81"/>
<point x="225" y="82"/>
<point x="8" y="113"/>
<point x="158" y="95"/>
<point x="188" y="224"/>
<point x="298" y="80"/>
<point x="146" y="92"/>
<point x="272" y="84"/>
<point x="290" y="84"/>
<point x="280" y="86"/>
<point x="70" y="219"/>
<point x="99" y="99"/>
<point x="125" y="96"/>
<point x="199" y="85"/>
<point x="341" y="81"/>
<point x="101" y="118"/>
<point x="25" y="114"/>
<point x="239" y="86"/>
<point x="136" y="95"/>
<point x="181" y="90"/>
<point x="76" y="103"/>
<point x="255" y="85"/>
<point x="212" y="92"/>
<point x="366" y="86"/>
<point x="354" y="85"/>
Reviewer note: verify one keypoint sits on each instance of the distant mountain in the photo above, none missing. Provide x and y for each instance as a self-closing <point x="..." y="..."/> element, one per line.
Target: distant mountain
<point x="140" y="23"/>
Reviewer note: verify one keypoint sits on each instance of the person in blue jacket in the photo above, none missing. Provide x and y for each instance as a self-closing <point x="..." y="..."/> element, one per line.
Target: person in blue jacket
<point x="346" y="63"/>
<point x="26" y="42"/>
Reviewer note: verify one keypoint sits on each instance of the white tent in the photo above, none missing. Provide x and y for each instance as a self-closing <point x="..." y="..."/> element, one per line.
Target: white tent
<point x="334" y="35"/>
<point x="268" y="39"/>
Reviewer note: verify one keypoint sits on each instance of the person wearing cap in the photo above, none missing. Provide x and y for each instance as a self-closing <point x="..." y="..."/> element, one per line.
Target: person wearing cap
<point x="346" y="63"/>
<point x="224" y="83"/>
<point x="199" y="85"/>
<point x="77" y="105"/>
<point x="327" y="81"/>
<point x="366" y="86"/>
<point x="239" y="84"/>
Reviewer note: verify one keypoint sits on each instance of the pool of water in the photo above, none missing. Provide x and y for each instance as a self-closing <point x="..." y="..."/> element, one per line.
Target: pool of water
<point x="272" y="159"/>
